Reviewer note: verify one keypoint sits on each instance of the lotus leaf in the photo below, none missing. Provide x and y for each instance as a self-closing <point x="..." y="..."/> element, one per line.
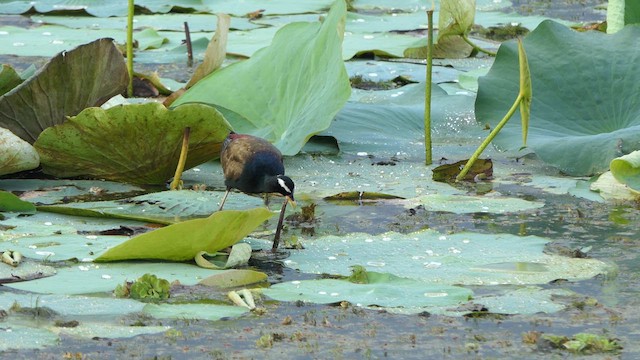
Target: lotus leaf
<point x="183" y="241"/>
<point x="585" y="111"/>
<point x="626" y="170"/>
<point x="12" y="203"/>
<point x="16" y="154"/>
<point x="133" y="143"/>
<point x="73" y="80"/>
<point x="9" y="79"/>
<point x="305" y="85"/>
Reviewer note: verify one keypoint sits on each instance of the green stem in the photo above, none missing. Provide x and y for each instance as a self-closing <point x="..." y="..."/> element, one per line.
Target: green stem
<point x="489" y="138"/>
<point x="130" y="47"/>
<point x="427" y="94"/>
<point x="476" y="47"/>
<point x="176" y="184"/>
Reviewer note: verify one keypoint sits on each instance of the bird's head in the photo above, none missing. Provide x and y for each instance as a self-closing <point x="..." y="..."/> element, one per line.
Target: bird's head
<point x="285" y="187"/>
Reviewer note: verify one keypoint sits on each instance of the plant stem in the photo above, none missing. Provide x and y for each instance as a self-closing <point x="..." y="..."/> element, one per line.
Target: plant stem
<point x="476" y="47"/>
<point x="427" y="94"/>
<point x="489" y="138"/>
<point x="131" y="9"/>
<point x="187" y="35"/>
<point x="176" y="183"/>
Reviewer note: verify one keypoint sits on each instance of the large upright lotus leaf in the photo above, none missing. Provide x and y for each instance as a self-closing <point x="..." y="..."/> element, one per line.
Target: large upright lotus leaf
<point x="183" y="241"/>
<point x="585" y="110"/>
<point x="133" y="143"/>
<point x="16" y="154"/>
<point x="73" y="80"/>
<point x="456" y="17"/>
<point x="285" y="92"/>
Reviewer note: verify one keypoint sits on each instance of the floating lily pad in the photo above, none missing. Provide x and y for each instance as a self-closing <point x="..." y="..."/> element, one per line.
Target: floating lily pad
<point x="85" y="76"/>
<point x="234" y="278"/>
<point x="184" y="240"/>
<point x="298" y="97"/>
<point x="466" y="204"/>
<point x="193" y="311"/>
<point x="393" y="292"/>
<point x="464" y="258"/>
<point x="132" y="143"/>
<point x="90" y="278"/>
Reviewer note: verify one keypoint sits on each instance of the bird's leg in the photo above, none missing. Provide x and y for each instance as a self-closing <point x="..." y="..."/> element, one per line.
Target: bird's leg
<point x="266" y="200"/>
<point x="276" y="239"/>
<point x="224" y="199"/>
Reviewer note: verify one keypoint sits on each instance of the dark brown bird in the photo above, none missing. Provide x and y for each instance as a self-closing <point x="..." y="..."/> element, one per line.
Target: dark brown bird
<point x="254" y="166"/>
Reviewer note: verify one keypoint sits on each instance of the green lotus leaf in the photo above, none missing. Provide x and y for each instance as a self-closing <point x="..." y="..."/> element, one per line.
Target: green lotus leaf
<point x="183" y="241"/>
<point x="133" y="143"/>
<point x="584" y="111"/>
<point x="456" y="17"/>
<point x="234" y="278"/>
<point x="621" y="13"/>
<point x="12" y="203"/>
<point x="304" y="87"/>
<point x="16" y="154"/>
<point x="73" y="80"/>
<point x="9" y="79"/>
<point x="626" y="169"/>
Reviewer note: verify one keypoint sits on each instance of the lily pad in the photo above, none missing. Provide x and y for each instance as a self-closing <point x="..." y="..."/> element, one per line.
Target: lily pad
<point x="90" y="278"/>
<point x="193" y="311"/>
<point x="73" y="80"/>
<point x="572" y="127"/>
<point x="391" y="292"/>
<point x="183" y="241"/>
<point x="235" y="278"/>
<point x="465" y="204"/>
<point x="132" y="143"/>
<point x="298" y="97"/>
<point x="464" y="258"/>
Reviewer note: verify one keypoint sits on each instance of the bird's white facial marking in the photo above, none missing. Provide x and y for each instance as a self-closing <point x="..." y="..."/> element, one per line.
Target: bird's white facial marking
<point x="284" y="186"/>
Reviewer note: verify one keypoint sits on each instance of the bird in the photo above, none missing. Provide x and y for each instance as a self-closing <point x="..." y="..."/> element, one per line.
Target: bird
<point x="254" y="166"/>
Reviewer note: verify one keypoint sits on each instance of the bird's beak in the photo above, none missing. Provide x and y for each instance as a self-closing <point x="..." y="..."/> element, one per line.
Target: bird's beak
<point x="291" y="201"/>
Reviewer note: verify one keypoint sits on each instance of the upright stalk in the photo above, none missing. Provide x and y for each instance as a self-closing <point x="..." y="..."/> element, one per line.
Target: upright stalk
<point x="176" y="184"/>
<point x="130" y="47"/>
<point x="427" y="94"/>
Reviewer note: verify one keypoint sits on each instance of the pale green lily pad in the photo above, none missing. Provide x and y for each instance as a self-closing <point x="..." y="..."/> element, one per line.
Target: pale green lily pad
<point x="44" y="192"/>
<point x="429" y="256"/>
<point x="184" y="240"/>
<point x="395" y="292"/>
<point x="45" y="99"/>
<point x="626" y="170"/>
<point x="89" y="278"/>
<point x="91" y="330"/>
<point x="572" y="127"/>
<point x="193" y="311"/>
<point x="132" y="143"/>
<point x="305" y="65"/>
<point x="23" y="337"/>
<point x="165" y="207"/>
<point x="466" y="204"/>
<point x="72" y="305"/>
<point x="25" y="271"/>
<point x="527" y="300"/>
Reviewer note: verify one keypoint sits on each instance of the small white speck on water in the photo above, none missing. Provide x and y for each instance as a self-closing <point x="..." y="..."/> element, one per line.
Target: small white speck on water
<point x="48" y="223"/>
<point x="91" y="237"/>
